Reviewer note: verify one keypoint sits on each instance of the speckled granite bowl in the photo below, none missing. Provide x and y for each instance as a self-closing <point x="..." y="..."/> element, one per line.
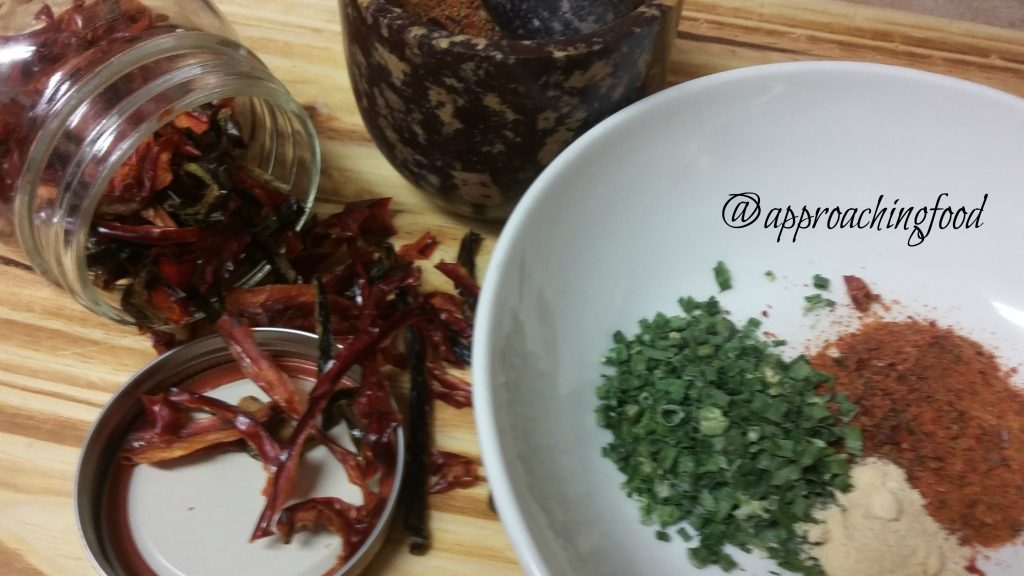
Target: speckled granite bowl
<point x="473" y="121"/>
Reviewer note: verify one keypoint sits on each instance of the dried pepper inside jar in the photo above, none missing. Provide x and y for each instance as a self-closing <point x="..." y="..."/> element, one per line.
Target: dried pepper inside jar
<point x="185" y="219"/>
<point x="119" y="119"/>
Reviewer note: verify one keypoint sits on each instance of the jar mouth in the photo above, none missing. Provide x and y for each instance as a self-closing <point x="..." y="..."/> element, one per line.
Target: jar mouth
<point x="400" y="20"/>
<point x="204" y="68"/>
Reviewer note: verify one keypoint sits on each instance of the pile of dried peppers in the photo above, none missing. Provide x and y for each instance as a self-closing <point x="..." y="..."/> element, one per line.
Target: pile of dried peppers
<point x="177" y="234"/>
<point x="81" y="37"/>
<point x="367" y="299"/>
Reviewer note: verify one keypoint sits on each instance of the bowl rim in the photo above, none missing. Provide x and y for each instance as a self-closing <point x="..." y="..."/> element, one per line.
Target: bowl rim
<point x="489" y="305"/>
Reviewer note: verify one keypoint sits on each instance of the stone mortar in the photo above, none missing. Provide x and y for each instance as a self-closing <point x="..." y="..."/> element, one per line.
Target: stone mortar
<point x="472" y="121"/>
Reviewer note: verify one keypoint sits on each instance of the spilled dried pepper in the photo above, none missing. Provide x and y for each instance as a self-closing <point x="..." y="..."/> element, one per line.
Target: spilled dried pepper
<point x="365" y="295"/>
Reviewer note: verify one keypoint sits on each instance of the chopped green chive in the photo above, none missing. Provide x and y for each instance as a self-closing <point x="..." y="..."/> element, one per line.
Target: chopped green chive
<point x="817" y="302"/>
<point x="712" y="428"/>
<point x="671" y="415"/>
<point x="820" y="282"/>
<point x="723" y="277"/>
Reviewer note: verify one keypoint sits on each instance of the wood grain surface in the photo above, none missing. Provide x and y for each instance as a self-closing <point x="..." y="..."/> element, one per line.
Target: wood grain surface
<point x="59" y="364"/>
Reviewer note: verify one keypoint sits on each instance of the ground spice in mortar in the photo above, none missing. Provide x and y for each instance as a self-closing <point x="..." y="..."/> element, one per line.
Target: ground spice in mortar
<point x="881" y="527"/>
<point x="939" y="406"/>
<point x="457" y="16"/>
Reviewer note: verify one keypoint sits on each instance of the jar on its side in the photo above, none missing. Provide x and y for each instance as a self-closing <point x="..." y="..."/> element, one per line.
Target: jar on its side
<point x="89" y="82"/>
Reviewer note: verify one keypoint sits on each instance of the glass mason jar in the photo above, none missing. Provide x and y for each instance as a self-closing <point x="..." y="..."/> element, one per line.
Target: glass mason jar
<point x="84" y="83"/>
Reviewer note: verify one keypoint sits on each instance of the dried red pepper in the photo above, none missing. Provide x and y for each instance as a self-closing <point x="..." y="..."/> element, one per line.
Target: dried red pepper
<point x="156" y="444"/>
<point x="452" y="471"/>
<point x="352" y="523"/>
<point x="259" y="367"/>
<point x="185" y="211"/>
<point x="78" y="38"/>
<point x="248" y="427"/>
<point x="421" y="249"/>
<point x="365" y="299"/>
<point x="460" y="276"/>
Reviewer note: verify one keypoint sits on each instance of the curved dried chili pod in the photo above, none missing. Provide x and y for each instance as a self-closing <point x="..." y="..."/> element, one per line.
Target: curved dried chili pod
<point x="166" y="418"/>
<point x="151" y="452"/>
<point x="419" y="249"/>
<point x="289" y="306"/>
<point x="366" y="219"/>
<point x="460" y="394"/>
<point x="350" y="461"/>
<point x="450" y="313"/>
<point x="452" y="471"/>
<point x="148" y="447"/>
<point x="347" y="357"/>
<point x="352" y="523"/>
<point x="170" y="303"/>
<point x="156" y="171"/>
<point x="460" y="276"/>
<point x="248" y="427"/>
<point x="195" y="120"/>
<point x="146" y="234"/>
<point x="151" y="446"/>
<point x="258" y="366"/>
<point x="126" y="193"/>
<point x="177" y="270"/>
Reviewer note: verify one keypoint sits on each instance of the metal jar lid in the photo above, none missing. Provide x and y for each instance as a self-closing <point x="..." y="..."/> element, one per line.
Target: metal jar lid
<point x="194" y="518"/>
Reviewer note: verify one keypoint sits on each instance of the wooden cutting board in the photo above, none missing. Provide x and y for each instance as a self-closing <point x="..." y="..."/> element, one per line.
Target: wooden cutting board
<point x="59" y="364"/>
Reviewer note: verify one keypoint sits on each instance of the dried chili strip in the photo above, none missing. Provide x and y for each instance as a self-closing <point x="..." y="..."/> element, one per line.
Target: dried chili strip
<point x="258" y="366"/>
<point x="289" y="306"/>
<point x="369" y="292"/>
<point x="452" y="471"/>
<point x="167" y="418"/>
<point x="248" y="427"/>
<point x="153" y="444"/>
<point x="374" y="408"/>
<point x="420" y="249"/>
<point x="350" y="461"/>
<point x="152" y="451"/>
<point x="195" y="120"/>
<point x="450" y="313"/>
<point x="146" y="234"/>
<point x="461" y="277"/>
<point x="348" y="356"/>
<point x="452" y="390"/>
<point x="352" y="523"/>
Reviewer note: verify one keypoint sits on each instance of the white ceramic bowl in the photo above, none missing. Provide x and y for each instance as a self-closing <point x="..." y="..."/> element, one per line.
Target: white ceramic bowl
<point x="630" y="218"/>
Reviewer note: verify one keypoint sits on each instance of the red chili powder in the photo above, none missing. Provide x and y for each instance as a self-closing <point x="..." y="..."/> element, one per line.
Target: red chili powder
<point x="939" y="405"/>
<point x="457" y="16"/>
